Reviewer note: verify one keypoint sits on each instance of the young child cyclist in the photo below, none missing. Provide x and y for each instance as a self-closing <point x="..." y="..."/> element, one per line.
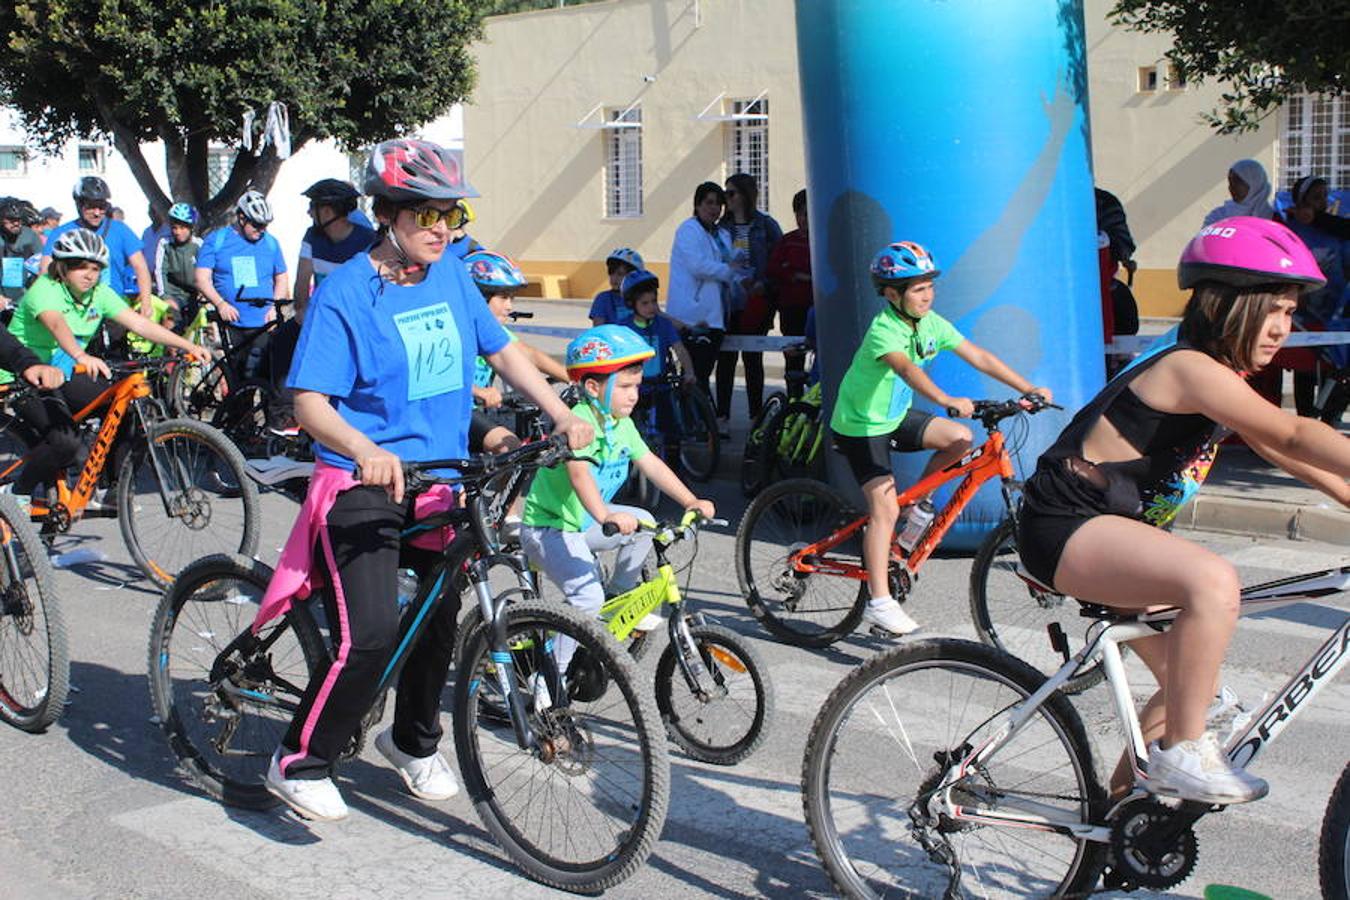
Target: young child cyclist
<point x="499" y="279"/>
<point x="567" y="506"/>
<point x="608" y="306"/>
<point x="873" y="418"/>
<point x="658" y="330"/>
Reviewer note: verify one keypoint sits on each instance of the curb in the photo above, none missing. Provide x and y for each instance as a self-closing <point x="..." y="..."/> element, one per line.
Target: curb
<point x="1266" y="518"/>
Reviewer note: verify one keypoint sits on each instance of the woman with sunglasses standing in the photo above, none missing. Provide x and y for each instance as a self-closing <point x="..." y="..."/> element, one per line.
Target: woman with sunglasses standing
<point x="384" y="373"/>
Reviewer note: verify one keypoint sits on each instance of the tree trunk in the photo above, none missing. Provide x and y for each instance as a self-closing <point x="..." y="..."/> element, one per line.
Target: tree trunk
<point x="130" y="148"/>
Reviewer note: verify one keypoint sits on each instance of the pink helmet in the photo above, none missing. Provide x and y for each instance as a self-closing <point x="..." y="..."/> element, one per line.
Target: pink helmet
<point x="1245" y="251"/>
<point x="406" y="170"/>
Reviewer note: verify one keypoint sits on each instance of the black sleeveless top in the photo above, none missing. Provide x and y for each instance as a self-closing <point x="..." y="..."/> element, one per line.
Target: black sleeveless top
<point x="1176" y="452"/>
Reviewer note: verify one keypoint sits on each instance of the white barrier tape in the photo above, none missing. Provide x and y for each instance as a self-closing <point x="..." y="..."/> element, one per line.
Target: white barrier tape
<point x="755" y="343"/>
<point x="1128" y="345"/>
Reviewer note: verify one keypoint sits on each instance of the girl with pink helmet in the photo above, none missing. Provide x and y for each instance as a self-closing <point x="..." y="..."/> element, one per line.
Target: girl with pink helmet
<point x="1092" y="513"/>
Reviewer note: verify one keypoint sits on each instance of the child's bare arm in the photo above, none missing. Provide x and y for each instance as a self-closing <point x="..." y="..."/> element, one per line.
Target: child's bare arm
<point x="918" y="379"/>
<point x="994" y="367"/>
<point x="660" y="474"/>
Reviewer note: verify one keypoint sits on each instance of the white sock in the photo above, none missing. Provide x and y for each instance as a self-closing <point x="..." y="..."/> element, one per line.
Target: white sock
<point x="881" y="601"/>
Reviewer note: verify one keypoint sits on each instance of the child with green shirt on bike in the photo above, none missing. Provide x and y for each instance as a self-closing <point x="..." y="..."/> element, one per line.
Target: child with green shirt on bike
<point x="567" y="507"/>
<point x="873" y="416"/>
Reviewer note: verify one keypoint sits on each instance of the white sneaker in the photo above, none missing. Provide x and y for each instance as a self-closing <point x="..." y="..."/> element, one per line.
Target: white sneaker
<point x="538" y="685"/>
<point x="1198" y="770"/>
<point x="311" y="798"/>
<point x="651" y="622"/>
<point x="888" y="615"/>
<point x="427" y="777"/>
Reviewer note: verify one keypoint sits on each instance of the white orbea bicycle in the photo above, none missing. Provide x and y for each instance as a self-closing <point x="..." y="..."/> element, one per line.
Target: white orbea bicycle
<point x="946" y="768"/>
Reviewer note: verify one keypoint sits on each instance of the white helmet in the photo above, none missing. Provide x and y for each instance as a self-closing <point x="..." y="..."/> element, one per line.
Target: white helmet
<point x="254" y="207"/>
<point x="77" y="243"/>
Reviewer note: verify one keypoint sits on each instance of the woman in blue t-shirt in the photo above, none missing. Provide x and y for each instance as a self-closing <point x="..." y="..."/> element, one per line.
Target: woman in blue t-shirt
<point x="383" y="373"/>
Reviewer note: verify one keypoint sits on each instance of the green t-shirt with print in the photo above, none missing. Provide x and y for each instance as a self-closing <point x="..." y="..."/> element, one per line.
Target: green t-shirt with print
<point x="552" y="502"/>
<point x="83" y="316"/>
<point x="872" y="398"/>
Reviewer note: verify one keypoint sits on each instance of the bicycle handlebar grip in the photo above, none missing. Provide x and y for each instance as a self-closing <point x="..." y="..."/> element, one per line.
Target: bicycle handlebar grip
<point x="609" y="529"/>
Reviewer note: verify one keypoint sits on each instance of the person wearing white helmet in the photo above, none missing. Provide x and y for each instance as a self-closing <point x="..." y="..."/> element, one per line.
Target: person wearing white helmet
<point x="240" y="271"/>
<point x="127" y="272"/>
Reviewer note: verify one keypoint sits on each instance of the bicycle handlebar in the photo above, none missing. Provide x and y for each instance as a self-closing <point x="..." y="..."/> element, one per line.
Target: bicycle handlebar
<point x="689" y="523"/>
<point x="516" y="316"/>
<point x="536" y="455"/>
<point x="992" y="411"/>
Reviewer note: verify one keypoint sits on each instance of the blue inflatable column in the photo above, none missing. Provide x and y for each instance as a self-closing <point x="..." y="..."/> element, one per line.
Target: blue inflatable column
<point x="961" y="125"/>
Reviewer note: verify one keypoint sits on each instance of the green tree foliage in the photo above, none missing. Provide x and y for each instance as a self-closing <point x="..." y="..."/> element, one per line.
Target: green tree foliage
<point x="1261" y="51"/>
<point x="185" y="73"/>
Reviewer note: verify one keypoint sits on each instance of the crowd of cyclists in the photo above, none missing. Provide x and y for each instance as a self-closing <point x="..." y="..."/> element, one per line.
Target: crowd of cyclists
<point x="396" y="348"/>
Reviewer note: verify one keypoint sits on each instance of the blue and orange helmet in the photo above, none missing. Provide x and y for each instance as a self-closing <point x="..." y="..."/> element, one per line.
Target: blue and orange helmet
<point x="604" y="350"/>
<point x="494" y="273"/>
<point x="901" y="262"/>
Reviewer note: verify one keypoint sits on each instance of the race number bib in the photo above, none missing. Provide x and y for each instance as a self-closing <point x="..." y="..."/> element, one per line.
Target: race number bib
<point x="244" y="270"/>
<point x="611" y="474"/>
<point x="902" y="395"/>
<point x="13" y="272"/>
<point x="435" y="353"/>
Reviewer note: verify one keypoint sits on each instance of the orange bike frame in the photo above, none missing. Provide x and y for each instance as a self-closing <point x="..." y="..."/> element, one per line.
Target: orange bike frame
<point x="118" y="399"/>
<point x="988" y="461"/>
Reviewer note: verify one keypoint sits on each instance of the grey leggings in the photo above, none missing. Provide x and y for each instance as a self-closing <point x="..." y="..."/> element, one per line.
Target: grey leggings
<point x="568" y="559"/>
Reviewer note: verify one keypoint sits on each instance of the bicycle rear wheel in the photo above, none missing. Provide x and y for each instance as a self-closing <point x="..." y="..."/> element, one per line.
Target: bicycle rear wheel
<point x="196" y="390"/>
<point x="205" y="504"/>
<point x="583" y="810"/>
<point x="700" y="447"/>
<point x="1013" y="616"/>
<point x="223" y="697"/>
<point x="761" y="446"/>
<point x="723" y="717"/>
<point x="813" y="610"/>
<point x="242" y="417"/>
<point x="34" y="662"/>
<point x="897" y="728"/>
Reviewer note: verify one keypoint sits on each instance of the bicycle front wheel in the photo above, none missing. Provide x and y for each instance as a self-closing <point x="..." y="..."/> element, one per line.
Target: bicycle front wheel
<point x="183" y="495"/>
<point x="224" y="697"/>
<point x="1013" y="616"/>
<point x="581" y="810"/>
<point x="34" y="662"/>
<point x="808" y="610"/>
<point x="1333" y="857"/>
<point x="892" y="812"/>
<point x="700" y="445"/>
<point x="721" y="717"/>
<point x="196" y="390"/>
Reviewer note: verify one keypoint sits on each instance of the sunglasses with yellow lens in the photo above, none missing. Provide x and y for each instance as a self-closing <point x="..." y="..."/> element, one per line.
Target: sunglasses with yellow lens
<point x="428" y="216"/>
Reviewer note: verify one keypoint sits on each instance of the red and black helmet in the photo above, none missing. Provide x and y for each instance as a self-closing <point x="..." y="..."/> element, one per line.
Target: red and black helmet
<point x="405" y="170"/>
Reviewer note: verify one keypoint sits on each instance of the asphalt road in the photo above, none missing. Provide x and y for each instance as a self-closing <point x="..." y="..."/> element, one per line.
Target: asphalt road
<point x="94" y="808"/>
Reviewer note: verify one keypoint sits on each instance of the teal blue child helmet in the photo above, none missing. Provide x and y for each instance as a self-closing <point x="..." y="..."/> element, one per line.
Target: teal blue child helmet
<point x="626" y="256"/>
<point x="184" y="214"/>
<point x="494" y="273"/>
<point x="605" y="350"/>
<point x="901" y="262"/>
<point x="635" y="283"/>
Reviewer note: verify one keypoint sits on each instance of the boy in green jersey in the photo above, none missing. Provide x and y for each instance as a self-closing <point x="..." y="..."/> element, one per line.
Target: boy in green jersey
<point x="568" y="506"/>
<point x="872" y="416"/>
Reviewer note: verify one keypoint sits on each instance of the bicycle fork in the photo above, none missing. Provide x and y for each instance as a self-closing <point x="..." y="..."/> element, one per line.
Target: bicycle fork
<point x="493" y="611"/>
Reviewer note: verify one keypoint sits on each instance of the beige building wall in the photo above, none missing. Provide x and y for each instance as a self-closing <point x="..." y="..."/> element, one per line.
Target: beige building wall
<point x="542" y="177"/>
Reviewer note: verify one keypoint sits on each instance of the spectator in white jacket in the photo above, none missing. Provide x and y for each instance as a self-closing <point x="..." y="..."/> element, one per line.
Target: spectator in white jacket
<point x="702" y="270"/>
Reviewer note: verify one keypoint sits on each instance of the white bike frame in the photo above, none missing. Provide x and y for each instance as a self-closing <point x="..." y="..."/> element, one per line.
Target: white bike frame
<point x="1104" y="639"/>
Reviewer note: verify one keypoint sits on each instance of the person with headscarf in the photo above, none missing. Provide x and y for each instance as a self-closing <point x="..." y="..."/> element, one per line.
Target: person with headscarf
<point x="1250" y="191"/>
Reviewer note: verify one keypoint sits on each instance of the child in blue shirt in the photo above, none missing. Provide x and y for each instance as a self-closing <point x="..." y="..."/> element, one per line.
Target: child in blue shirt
<point x="608" y="306"/>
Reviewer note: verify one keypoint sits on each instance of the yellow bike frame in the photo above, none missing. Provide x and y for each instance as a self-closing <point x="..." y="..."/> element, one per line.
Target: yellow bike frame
<point x="622" y="613"/>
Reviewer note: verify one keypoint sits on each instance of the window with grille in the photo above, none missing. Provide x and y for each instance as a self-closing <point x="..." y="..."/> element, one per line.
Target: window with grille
<point x="748" y="144"/>
<point x="219" y="163"/>
<point x="623" y="163"/>
<point x="92" y="159"/>
<point x="1315" y="139"/>
<point x="13" y="161"/>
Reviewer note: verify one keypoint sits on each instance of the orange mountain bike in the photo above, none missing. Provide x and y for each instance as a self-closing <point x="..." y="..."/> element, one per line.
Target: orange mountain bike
<point x="181" y="489"/>
<point x="799" y="546"/>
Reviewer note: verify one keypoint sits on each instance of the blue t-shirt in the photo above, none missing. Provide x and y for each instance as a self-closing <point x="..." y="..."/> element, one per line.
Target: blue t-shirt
<point x="463" y="247"/>
<point x="150" y="239"/>
<point x="660" y="334"/>
<point x="609" y="306"/>
<point x="122" y="246"/>
<point x="398" y="362"/>
<point x="236" y="263"/>
<point x="325" y="255"/>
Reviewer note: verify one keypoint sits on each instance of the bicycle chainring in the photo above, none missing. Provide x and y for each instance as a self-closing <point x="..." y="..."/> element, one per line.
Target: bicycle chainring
<point x="1148" y="849"/>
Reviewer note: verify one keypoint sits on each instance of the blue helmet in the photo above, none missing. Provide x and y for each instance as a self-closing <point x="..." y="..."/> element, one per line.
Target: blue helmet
<point x="183" y="213"/>
<point x="626" y="256"/>
<point x="900" y="262"/>
<point x="493" y="272"/>
<point x="636" y="282"/>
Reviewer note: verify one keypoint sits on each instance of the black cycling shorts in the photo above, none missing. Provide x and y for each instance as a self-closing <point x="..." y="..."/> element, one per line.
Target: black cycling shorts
<point x="870" y="457"/>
